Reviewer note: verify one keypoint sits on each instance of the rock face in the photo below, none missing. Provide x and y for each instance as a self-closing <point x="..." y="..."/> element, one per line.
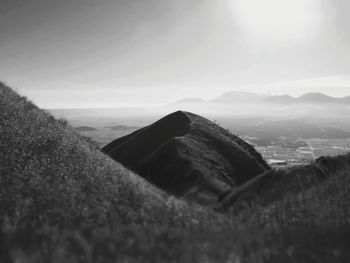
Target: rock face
<point x="188" y="156"/>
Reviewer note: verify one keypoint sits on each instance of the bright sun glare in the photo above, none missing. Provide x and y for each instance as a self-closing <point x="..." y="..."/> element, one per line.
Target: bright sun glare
<point x="278" y="20"/>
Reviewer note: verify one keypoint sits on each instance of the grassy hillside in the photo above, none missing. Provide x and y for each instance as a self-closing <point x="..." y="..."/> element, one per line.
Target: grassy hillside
<point x="312" y="226"/>
<point x="62" y="200"/>
<point x="52" y="175"/>
<point x="300" y="198"/>
<point x="276" y="184"/>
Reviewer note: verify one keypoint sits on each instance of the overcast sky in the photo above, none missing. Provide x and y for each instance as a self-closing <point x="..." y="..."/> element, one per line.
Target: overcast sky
<point x="81" y="53"/>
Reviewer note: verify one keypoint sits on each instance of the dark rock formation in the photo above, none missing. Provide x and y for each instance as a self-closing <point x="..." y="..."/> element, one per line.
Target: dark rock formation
<point x="188" y="155"/>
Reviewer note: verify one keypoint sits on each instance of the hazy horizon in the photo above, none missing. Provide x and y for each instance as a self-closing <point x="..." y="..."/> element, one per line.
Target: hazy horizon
<point x="86" y="54"/>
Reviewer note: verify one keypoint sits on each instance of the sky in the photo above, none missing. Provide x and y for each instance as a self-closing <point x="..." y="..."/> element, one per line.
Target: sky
<point x="121" y="53"/>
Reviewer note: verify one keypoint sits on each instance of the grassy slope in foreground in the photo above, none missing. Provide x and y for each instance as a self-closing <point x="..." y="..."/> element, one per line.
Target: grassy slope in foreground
<point x="43" y="179"/>
<point x="50" y="174"/>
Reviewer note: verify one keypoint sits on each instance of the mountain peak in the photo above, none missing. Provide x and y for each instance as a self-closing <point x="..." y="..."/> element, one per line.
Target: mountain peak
<point x="316" y="97"/>
<point x="188" y="156"/>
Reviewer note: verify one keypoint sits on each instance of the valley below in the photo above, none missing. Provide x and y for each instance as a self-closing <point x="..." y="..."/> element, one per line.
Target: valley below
<point x="282" y="141"/>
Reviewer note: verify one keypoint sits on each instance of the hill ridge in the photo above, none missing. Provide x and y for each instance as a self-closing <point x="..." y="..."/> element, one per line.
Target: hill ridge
<point x="184" y="151"/>
<point x="55" y="176"/>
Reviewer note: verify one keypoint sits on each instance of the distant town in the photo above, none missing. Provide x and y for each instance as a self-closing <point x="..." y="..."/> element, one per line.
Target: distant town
<point x="289" y="152"/>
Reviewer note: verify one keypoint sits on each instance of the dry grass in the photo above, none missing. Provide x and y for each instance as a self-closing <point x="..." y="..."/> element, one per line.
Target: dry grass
<point x="62" y="200"/>
<point x="52" y="175"/>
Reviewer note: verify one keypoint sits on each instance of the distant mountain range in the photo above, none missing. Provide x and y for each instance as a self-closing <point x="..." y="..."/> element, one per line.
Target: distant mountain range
<point x="308" y="98"/>
<point x="240" y="97"/>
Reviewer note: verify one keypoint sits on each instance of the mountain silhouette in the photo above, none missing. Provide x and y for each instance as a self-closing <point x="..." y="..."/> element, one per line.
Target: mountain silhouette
<point x="317" y="98"/>
<point x="188" y="156"/>
<point x="279" y="99"/>
<point x="308" y="98"/>
<point x="239" y="97"/>
<point x="243" y="97"/>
